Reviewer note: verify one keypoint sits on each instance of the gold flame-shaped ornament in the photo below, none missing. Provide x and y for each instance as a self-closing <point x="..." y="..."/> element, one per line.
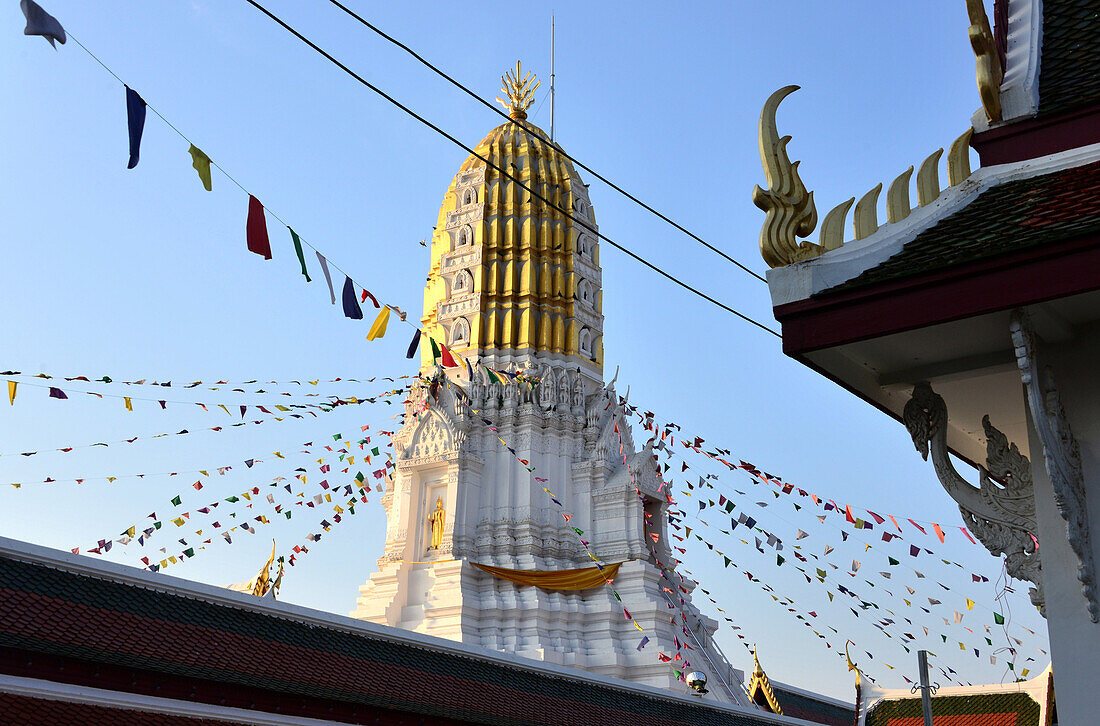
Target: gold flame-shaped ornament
<point x="789" y="208"/>
<point x="519" y="90"/>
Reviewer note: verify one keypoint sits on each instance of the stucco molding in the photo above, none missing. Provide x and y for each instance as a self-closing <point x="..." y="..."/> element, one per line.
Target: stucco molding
<point x="1061" y="453"/>
<point x="1002" y="517"/>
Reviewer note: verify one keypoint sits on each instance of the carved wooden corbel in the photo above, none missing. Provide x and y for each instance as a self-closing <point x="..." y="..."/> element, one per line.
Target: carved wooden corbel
<point x="1001" y="516"/>
<point x="1061" y="453"/>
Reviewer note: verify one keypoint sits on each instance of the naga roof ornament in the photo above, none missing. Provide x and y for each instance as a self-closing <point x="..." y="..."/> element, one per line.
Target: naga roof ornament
<point x="789" y="208"/>
<point x="988" y="67"/>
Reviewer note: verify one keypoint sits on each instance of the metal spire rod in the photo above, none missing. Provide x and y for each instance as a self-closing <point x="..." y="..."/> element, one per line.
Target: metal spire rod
<point x="551" y="79"/>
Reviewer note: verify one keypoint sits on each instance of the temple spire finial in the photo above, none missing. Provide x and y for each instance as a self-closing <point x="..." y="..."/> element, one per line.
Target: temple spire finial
<point x="519" y="90"/>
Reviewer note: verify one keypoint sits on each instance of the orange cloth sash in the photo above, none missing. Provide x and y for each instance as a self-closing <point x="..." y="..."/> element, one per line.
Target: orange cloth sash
<point x="582" y="579"/>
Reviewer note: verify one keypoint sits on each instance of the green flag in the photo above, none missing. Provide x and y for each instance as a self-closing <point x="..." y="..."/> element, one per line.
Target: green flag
<point x="998" y="618"/>
<point x="893" y="561"/>
<point x="298" y="250"/>
<point x="176" y="500"/>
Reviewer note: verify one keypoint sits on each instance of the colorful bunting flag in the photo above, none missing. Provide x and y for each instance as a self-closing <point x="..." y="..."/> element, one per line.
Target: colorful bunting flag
<point x="328" y="276"/>
<point x="298" y="251"/>
<point x="201" y="162"/>
<point x="39" y="22"/>
<point x="378" y="328"/>
<point x="135" y="120"/>
<point x="256" y="229"/>
<point x="351" y="305"/>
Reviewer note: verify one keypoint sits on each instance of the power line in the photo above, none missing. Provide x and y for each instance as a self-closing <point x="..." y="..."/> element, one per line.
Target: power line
<point x="501" y="171"/>
<point x="496" y="110"/>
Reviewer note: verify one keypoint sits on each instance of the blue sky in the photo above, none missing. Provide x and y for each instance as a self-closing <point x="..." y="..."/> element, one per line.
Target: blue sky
<point x="142" y="274"/>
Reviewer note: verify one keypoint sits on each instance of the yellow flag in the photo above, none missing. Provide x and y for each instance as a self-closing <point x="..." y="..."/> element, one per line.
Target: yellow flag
<point x="379" y="328"/>
<point x="222" y="407"/>
<point x="178" y="521"/>
<point x="969" y="604"/>
<point x="201" y="162"/>
<point x="129" y="405"/>
<point x="962" y="647"/>
<point x="131" y="531"/>
<point x="639" y="627"/>
<point x="11" y="392"/>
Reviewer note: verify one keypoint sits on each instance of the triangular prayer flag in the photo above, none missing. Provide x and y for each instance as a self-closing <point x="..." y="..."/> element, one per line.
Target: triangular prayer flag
<point x="128" y="403"/>
<point x="57" y="393"/>
<point x="39" y="22"/>
<point x="447" y="359"/>
<point x="939" y="532"/>
<point x="351" y="305"/>
<point x="298" y="251"/>
<point x="201" y="162"/>
<point x="998" y="618"/>
<point x="414" y="344"/>
<point x="435" y="352"/>
<point x="328" y="277"/>
<point x="11" y="392"/>
<point x="256" y="229"/>
<point x="135" y="120"/>
<point x="378" y="328"/>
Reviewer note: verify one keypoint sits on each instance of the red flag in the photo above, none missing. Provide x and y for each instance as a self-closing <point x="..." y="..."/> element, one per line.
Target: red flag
<point x="848" y="513"/>
<point x="448" y="359"/>
<point x="878" y="519"/>
<point x="256" y="229"/>
<point x="922" y="530"/>
<point x="972" y="540"/>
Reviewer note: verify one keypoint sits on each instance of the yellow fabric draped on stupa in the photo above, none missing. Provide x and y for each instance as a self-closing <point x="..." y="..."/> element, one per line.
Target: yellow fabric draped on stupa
<point x="582" y="579"/>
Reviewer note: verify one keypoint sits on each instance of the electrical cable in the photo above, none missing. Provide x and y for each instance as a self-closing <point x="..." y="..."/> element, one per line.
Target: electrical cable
<point x="496" y="110"/>
<point x="501" y="171"/>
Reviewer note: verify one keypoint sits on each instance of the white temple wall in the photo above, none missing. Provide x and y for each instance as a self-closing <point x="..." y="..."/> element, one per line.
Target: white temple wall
<point x="1074" y="638"/>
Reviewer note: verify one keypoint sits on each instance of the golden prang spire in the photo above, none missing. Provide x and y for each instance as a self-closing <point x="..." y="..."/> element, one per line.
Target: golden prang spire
<point x="520" y="93"/>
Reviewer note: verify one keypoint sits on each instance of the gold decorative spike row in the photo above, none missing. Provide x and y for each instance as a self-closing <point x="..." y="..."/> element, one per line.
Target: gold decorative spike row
<point x="832" y="229"/>
<point x="789" y="209"/>
<point x="988" y="67"/>
<point x="519" y="90"/>
<point x="928" y="178"/>
<point x="865" y="221"/>
<point x="958" y="159"/>
<point x="897" y="197"/>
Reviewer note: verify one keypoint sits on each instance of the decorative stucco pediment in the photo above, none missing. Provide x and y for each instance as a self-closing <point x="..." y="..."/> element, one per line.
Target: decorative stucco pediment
<point x="432" y="429"/>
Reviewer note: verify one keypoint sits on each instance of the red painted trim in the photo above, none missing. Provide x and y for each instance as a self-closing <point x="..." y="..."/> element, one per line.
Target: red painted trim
<point x="1001" y="283"/>
<point x="1000" y="29"/>
<point x="1038" y="136"/>
<point x="125" y="679"/>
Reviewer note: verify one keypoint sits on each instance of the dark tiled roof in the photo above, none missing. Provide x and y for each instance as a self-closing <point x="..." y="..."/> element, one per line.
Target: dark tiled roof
<point x="1068" y="76"/>
<point x="27" y="711"/>
<point x="1010" y="217"/>
<point x="71" y="616"/>
<point x="799" y="705"/>
<point x="987" y="709"/>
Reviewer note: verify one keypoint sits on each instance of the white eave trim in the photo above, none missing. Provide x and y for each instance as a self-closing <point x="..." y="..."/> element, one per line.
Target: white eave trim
<point x="801" y="280"/>
<point x="1020" y="87"/>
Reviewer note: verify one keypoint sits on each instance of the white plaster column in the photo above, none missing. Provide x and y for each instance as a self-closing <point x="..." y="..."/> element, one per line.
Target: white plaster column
<point x="1074" y="638"/>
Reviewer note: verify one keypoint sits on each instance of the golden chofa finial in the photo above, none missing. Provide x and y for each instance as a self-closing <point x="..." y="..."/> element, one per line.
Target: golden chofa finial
<point x="789" y="208"/>
<point x="988" y="68"/>
<point x="519" y="90"/>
